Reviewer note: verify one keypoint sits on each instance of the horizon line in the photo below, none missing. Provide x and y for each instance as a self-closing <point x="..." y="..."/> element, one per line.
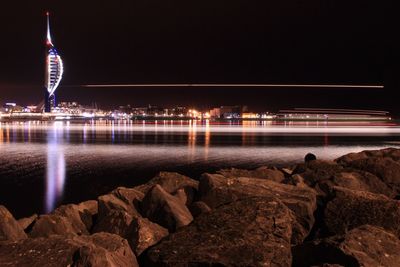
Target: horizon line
<point x="376" y="86"/>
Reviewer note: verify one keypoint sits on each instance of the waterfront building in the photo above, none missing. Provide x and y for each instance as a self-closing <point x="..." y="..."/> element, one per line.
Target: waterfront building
<point x="53" y="72"/>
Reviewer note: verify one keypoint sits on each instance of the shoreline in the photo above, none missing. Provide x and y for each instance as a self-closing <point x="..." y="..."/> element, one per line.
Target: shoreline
<point x="293" y="216"/>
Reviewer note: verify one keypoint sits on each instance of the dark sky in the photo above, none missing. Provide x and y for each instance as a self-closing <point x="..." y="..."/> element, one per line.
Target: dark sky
<point x="203" y="41"/>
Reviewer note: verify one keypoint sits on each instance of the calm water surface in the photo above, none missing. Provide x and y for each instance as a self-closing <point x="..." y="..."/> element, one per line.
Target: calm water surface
<point x="45" y="164"/>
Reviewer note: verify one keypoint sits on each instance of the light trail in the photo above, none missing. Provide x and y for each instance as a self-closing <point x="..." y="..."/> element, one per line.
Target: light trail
<point x="344" y="86"/>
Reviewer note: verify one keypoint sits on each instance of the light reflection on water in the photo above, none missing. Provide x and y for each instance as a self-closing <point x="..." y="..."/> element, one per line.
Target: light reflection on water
<point x="55" y="167"/>
<point x="59" y="162"/>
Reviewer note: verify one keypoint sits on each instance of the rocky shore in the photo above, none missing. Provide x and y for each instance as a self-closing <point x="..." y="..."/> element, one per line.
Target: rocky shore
<point x="344" y="212"/>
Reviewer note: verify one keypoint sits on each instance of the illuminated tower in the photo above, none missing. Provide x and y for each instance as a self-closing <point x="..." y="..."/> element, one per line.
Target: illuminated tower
<point x="54" y="71"/>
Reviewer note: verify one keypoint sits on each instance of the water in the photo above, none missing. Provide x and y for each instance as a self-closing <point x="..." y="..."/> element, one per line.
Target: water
<point x="45" y="164"/>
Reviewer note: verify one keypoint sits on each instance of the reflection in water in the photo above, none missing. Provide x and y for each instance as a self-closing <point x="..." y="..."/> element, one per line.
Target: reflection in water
<point x="55" y="172"/>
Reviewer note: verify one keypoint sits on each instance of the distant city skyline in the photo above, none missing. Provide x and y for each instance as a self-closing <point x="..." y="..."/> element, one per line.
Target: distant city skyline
<point x="202" y="43"/>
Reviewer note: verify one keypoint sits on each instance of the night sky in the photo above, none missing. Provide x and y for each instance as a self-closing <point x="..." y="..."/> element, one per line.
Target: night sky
<point x="207" y="41"/>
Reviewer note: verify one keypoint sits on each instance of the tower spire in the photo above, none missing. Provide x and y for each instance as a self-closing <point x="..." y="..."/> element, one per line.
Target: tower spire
<point x="48" y="40"/>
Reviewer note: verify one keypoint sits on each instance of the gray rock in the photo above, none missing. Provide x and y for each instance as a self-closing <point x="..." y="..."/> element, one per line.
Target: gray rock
<point x="163" y="208"/>
<point x="10" y="230"/>
<point x="101" y="249"/>
<point x="254" y="231"/>
<point x="216" y="190"/>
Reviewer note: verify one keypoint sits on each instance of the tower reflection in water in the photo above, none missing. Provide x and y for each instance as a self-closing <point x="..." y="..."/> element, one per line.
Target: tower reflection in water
<point x="55" y="172"/>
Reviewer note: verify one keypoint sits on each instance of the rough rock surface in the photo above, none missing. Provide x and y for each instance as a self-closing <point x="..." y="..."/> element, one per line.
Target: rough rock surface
<point x="163" y="208"/>
<point x="116" y="211"/>
<point x="261" y="173"/>
<point x="324" y="175"/>
<point x="145" y="234"/>
<point x="25" y="223"/>
<point x="385" y="164"/>
<point x="350" y="209"/>
<point x="10" y="230"/>
<point x="67" y="220"/>
<point x="170" y="182"/>
<point x="252" y="231"/>
<point x="216" y="190"/>
<point x="367" y="245"/>
<point x="198" y="208"/>
<point x="101" y="249"/>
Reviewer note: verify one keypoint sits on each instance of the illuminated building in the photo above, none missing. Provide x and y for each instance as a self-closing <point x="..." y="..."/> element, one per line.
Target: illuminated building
<point x="53" y="72"/>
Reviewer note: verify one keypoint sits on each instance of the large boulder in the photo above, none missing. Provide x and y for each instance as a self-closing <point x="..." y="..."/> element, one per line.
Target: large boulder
<point x="324" y="175"/>
<point x="10" y="230"/>
<point x="367" y="246"/>
<point x="253" y="231"/>
<point x="116" y="211"/>
<point x="350" y="209"/>
<point x="101" y="249"/>
<point x="385" y="167"/>
<point x="392" y="153"/>
<point x="216" y="190"/>
<point x="261" y="173"/>
<point x="170" y="182"/>
<point x="163" y="208"/>
<point x="145" y="234"/>
<point x="66" y="220"/>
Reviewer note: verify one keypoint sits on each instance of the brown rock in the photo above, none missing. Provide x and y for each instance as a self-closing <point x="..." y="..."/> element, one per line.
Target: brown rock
<point x="367" y="245"/>
<point x="350" y="209"/>
<point x="10" y="230"/>
<point x="66" y="220"/>
<point x="324" y="175"/>
<point x="170" y="182"/>
<point x="386" y="168"/>
<point x="53" y="224"/>
<point x="101" y="249"/>
<point x="25" y="223"/>
<point x="252" y="231"/>
<point x="163" y="208"/>
<point x="260" y="173"/>
<point x="216" y="190"/>
<point x="145" y="234"/>
<point x="115" y="214"/>
<point x="198" y="208"/>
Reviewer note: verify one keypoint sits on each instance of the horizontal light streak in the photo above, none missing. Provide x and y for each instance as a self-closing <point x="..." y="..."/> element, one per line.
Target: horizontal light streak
<point x="218" y="129"/>
<point x="236" y="85"/>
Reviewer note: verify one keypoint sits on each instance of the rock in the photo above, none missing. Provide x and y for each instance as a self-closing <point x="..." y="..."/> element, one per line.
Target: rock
<point x="53" y="224"/>
<point x="350" y="209"/>
<point x="323" y="175"/>
<point x="131" y="196"/>
<point x="66" y="220"/>
<point x="261" y="173"/>
<point x="391" y="153"/>
<point x="10" y="230"/>
<point x="107" y="250"/>
<point x="170" y="182"/>
<point x="163" y="208"/>
<point x="296" y="180"/>
<point x="386" y="168"/>
<point x="216" y="190"/>
<point x="116" y="214"/>
<point x="198" y="208"/>
<point x="252" y="231"/>
<point x="26" y="223"/>
<point x="101" y="249"/>
<point x="366" y="245"/>
<point x="145" y="234"/>
<point x="309" y="157"/>
<point x="186" y="195"/>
